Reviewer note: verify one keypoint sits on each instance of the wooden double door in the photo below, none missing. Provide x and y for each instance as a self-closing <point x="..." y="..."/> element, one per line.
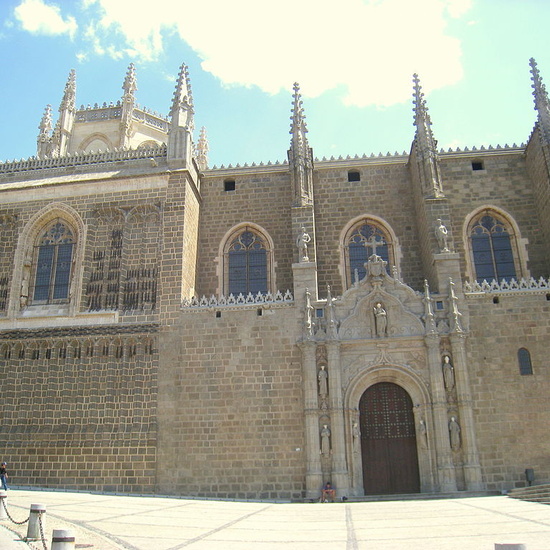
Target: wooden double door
<point x="388" y="441"/>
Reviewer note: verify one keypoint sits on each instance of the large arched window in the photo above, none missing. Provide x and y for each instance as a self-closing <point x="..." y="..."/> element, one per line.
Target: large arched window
<point x="361" y="241"/>
<point x="246" y="259"/>
<point x="493" y="247"/>
<point x="53" y="261"/>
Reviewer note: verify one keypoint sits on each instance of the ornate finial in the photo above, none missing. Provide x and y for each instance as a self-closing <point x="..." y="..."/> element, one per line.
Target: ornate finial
<point x="69" y="95"/>
<point x="429" y="318"/>
<point x="202" y="150"/>
<point x="456" y="325"/>
<point x="426" y="144"/>
<point x="182" y="110"/>
<point x="300" y="156"/>
<point x="130" y="82"/>
<point x="542" y="103"/>
<point x="298" y="117"/>
<point x="44" y="140"/>
<point x="45" y="126"/>
<point x="332" y="325"/>
<point x="420" y="110"/>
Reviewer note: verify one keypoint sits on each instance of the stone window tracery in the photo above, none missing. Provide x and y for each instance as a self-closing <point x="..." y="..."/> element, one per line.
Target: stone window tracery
<point x="247" y="263"/>
<point x="493" y="248"/>
<point x="361" y="241"/>
<point x="53" y="263"/>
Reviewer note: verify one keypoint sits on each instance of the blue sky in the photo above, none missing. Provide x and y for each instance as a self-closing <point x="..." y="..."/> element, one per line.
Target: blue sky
<point x="354" y="60"/>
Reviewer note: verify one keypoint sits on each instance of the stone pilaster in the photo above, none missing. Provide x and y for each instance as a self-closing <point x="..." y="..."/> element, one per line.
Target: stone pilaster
<point x="446" y="266"/>
<point x="314" y="475"/>
<point x="472" y="467"/>
<point x="340" y="476"/>
<point x="445" y="467"/>
<point x="305" y="276"/>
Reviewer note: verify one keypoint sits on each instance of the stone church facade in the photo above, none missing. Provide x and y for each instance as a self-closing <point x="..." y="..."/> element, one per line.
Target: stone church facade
<point x="255" y="331"/>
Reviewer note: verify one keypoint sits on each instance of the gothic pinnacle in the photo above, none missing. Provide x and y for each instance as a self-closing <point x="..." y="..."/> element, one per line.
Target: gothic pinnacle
<point x="298" y="118"/>
<point x="202" y="150"/>
<point x="542" y="103"/>
<point x="45" y="126"/>
<point x="130" y="82"/>
<point x="69" y="95"/>
<point x="183" y="98"/>
<point x="182" y="111"/>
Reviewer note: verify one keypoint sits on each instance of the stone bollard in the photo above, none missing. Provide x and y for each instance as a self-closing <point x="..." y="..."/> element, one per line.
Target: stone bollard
<point x="62" y="539"/>
<point x="3" y="504"/>
<point x="38" y="512"/>
<point x="507" y="546"/>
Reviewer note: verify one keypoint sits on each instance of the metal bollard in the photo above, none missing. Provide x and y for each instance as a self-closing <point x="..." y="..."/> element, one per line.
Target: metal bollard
<point x="38" y="512"/>
<point x="506" y="546"/>
<point x="62" y="539"/>
<point x="3" y="504"/>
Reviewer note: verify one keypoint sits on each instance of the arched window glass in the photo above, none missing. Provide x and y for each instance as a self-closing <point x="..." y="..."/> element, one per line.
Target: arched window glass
<point x="492" y="249"/>
<point x="364" y="240"/>
<point x="247" y="261"/>
<point x="524" y="362"/>
<point x="54" y="254"/>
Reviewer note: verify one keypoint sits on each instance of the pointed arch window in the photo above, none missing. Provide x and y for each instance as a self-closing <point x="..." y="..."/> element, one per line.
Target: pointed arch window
<point x="53" y="262"/>
<point x="524" y="362"/>
<point x="493" y="248"/>
<point x="362" y="240"/>
<point x="247" y="263"/>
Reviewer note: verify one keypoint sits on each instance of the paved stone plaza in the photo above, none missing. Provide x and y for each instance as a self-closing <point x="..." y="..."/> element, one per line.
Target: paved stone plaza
<point x="109" y="522"/>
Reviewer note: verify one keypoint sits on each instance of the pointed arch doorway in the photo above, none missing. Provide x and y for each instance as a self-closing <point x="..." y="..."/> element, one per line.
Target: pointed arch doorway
<point x="388" y="441"/>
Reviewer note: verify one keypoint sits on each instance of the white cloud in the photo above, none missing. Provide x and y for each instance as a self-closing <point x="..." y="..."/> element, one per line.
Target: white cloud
<point x="370" y="48"/>
<point x="38" y="17"/>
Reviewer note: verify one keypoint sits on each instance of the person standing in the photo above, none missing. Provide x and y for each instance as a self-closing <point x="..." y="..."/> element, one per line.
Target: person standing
<point x="4" y="475"/>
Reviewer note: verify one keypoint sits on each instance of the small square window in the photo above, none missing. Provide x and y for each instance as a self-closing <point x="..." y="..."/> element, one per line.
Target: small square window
<point x="477" y="165"/>
<point x="229" y="185"/>
<point x="439" y="305"/>
<point x="319" y="313"/>
<point x="354" y="175"/>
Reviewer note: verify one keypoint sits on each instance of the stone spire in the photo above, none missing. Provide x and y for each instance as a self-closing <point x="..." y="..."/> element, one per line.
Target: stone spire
<point x="429" y="317"/>
<point x="128" y="102"/>
<point x="454" y="313"/>
<point x="44" y="139"/>
<point x="300" y="155"/>
<point x="182" y="110"/>
<point x="64" y="126"/>
<point x="426" y="145"/>
<point x="542" y="103"/>
<point x="180" y="136"/>
<point x="201" y="153"/>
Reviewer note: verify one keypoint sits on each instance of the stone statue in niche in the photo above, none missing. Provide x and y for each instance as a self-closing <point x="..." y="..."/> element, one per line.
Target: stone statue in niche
<point x="454" y="432"/>
<point x="325" y="440"/>
<point x="322" y="377"/>
<point x="356" y="434"/>
<point x="24" y="295"/>
<point x="442" y="235"/>
<point x="448" y="373"/>
<point x="302" y="242"/>
<point x="380" y="320"/>
<point x="423" y="433"/>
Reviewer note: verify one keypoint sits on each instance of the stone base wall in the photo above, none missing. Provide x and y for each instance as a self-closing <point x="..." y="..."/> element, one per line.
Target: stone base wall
<point x="511" y="410"/>
<point x="230" y="406"/>
<point x="80" y="412"/>
<point x="101" y="462"/>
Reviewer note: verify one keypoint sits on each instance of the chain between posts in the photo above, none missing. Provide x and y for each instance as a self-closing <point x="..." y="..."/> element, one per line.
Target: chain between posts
<point x="9" y="516"/>
<point x="42" y="531"/>
<point x="40" y="524"/>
